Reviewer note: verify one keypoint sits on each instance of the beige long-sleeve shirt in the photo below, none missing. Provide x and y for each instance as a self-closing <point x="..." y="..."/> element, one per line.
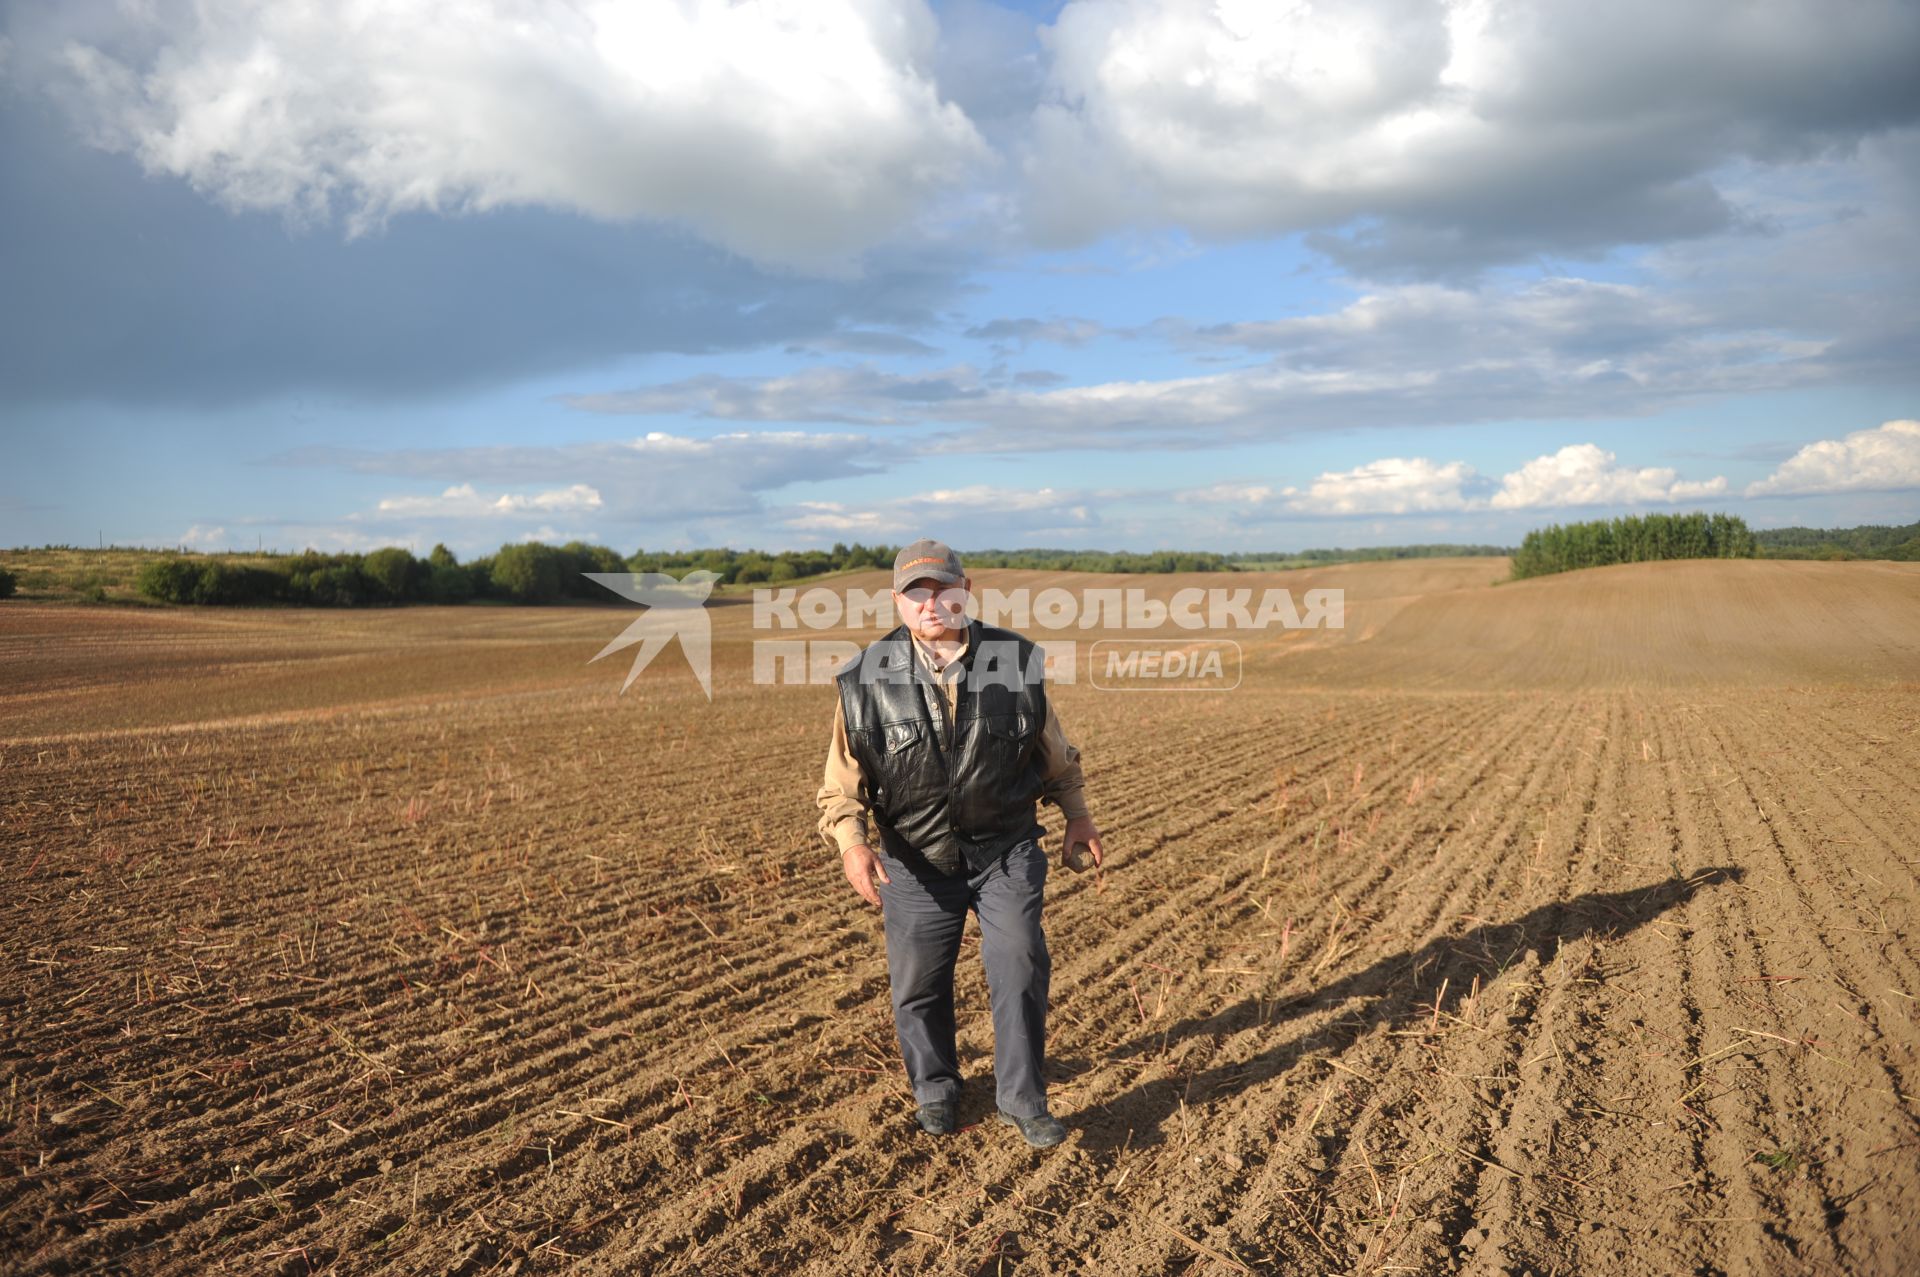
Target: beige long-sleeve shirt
<point x="843" y="790"/>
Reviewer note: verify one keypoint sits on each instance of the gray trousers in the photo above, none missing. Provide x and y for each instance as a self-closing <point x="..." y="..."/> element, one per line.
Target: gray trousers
<point x="924" y="918"/>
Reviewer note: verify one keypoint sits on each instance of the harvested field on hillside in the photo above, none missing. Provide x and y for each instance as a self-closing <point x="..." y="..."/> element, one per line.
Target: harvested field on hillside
<point x="1564" y="925"/>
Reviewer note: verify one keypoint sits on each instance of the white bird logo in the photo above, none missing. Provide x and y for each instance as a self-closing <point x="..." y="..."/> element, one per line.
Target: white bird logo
<point x="673" y="608"/>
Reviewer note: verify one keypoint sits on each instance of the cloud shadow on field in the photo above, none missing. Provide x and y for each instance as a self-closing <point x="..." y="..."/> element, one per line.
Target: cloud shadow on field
<point x="1396" y="988"/>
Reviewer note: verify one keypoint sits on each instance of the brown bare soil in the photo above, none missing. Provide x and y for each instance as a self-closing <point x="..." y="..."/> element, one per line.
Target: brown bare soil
<point x="1555" y="926"/>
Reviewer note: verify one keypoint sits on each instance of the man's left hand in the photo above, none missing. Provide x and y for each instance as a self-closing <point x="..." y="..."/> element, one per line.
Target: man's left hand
<point x="1082" y="830"/>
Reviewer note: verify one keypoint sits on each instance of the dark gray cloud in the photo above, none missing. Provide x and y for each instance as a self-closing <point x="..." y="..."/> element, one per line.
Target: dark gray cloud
<point x="1017" y="334"/>
<point x="989" y="62"/>
<point x="1417" y="354"/>
<point x="1567" y="321"/>
<point x="1419" y="139"/>
<point x="1581" y="212"/>
<point x="859" y="396"/>
<point x="126" y="288"/>
<point x="864" y="342"/>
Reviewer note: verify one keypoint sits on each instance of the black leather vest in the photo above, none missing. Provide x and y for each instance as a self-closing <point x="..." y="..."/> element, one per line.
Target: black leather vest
<point x="948" y="798"/>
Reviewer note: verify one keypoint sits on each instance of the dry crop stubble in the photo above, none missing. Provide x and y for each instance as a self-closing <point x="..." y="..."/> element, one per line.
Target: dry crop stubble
<point x="1562" y="924"/>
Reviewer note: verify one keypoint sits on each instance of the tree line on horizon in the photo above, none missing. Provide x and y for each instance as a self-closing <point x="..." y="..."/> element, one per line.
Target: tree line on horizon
<point x="1899" y="542"/>
<point x="519" y="572"/>
<point x="533" y="572"/>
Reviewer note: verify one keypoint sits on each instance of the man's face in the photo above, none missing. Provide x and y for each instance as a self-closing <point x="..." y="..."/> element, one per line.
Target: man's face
<point x="933" y="609"/>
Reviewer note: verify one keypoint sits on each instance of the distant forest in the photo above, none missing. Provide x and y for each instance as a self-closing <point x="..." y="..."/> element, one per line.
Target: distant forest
<point x="1206" y="561"/>
<point x="1870" y="541"/>
<point x="530" y="572"/>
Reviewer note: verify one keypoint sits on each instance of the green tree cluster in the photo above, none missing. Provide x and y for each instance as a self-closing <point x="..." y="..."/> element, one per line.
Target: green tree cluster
<point x="197" y="580"/>
<point x="527" y="572"/>
<point x="530" y="572"/>
<point x="1633" y="539"/>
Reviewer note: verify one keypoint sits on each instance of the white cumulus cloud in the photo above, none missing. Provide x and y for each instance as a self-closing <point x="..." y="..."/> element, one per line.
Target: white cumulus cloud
<point x="795" y="132"/>
<point x="1228" y="494"/>
<point x="1581" y="474"/>
<point x="463" y="500"/>
<point x="1885" y="458"/>
<point x="1391" y="485"/>
<point x="1586" y="474"/>
<point x="205" y="536"/>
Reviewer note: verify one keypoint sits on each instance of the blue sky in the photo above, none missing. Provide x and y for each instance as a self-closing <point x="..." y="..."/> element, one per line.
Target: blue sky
<point x="1116" y="273"/>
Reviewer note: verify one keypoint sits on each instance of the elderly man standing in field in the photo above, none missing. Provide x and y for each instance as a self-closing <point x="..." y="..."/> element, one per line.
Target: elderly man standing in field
<point x="944" y="740"/>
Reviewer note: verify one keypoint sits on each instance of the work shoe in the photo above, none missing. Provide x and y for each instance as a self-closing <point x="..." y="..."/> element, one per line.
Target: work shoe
<point x="1043" y="1131"/>
<point x="937" y="1118"/>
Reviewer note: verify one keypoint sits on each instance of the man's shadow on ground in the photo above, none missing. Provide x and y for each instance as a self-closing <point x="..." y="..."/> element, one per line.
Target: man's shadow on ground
<point x="1401" y="987"/>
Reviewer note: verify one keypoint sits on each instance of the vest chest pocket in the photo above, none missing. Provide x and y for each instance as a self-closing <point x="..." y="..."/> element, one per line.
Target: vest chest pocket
<point x="1019" y="728"/>
<point x="897" y="738"/>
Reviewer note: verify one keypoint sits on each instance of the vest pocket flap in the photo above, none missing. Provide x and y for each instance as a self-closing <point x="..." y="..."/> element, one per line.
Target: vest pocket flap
<point x="1009" y="726"/>
<point x="898" y="736"/>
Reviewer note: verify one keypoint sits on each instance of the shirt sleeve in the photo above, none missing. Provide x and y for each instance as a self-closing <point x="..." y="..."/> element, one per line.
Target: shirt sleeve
<point x="843" y="790"/>
<point x="1062" y="783"/>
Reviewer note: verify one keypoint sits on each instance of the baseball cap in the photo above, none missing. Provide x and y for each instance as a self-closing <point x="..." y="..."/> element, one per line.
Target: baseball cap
<point x="930" y="559"/>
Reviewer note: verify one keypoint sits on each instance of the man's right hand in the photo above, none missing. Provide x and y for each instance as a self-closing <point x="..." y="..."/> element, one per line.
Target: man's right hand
<point x="863" y="868"/>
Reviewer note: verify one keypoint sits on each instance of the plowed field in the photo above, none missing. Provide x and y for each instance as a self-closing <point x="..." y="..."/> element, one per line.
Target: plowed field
<point x="1557" y="926"/>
